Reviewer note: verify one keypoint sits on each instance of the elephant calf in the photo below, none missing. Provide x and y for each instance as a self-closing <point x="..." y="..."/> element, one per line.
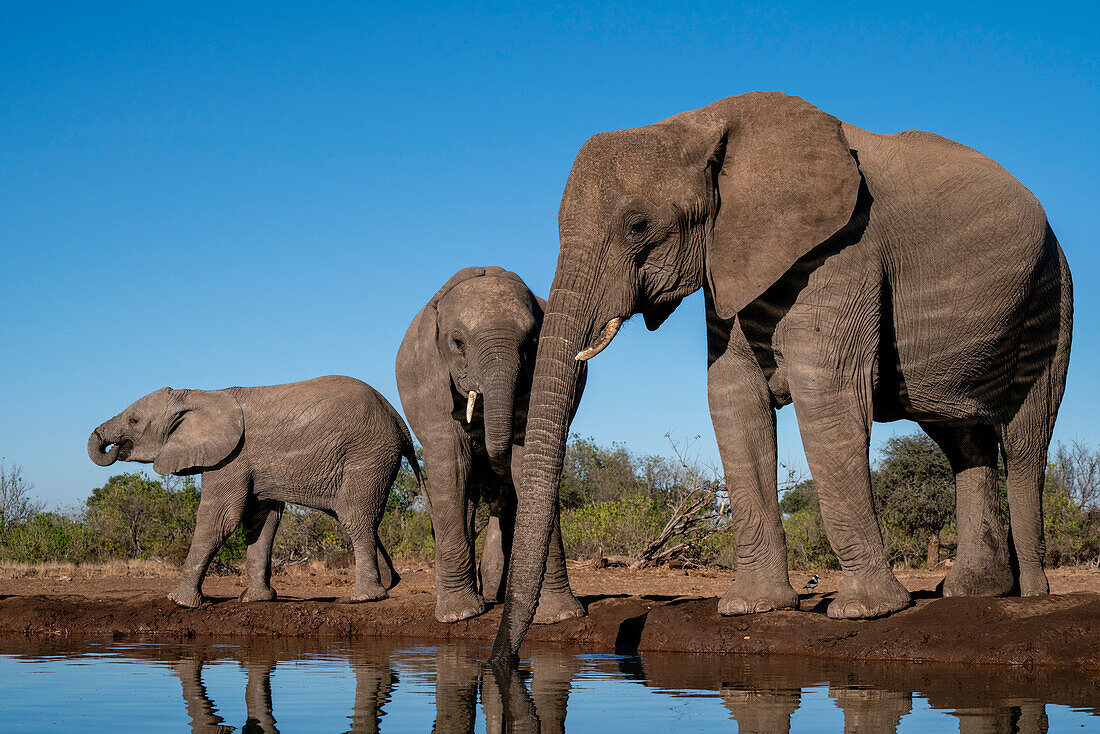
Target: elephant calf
<point x="332" y="443"/>
<point x="464" y="374"/>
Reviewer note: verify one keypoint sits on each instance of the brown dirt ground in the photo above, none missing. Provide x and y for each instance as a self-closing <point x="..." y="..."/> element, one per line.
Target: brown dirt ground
<point x="652" y="609"/>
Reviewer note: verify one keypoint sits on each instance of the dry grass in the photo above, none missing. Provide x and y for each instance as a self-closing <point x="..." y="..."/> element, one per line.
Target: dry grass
<point x="139" y="568"/>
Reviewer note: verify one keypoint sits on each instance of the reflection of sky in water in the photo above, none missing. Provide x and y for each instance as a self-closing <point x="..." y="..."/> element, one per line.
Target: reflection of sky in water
<point x="315" y="686"/>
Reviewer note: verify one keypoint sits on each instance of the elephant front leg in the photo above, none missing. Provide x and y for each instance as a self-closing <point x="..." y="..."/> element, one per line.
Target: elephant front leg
<point x="833" y="403"/>
<point x="220" y="509"/>
<point x="456" y="594"/>
<point x="744" y="424"/>
<point x="261" y="521"/>
<point x="556" y="600"/>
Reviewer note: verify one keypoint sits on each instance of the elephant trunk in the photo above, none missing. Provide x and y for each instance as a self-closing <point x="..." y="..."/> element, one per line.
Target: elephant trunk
<point x="500" y="362"/>
<point x="566" y="329"/>
<point x="97" y="447"/>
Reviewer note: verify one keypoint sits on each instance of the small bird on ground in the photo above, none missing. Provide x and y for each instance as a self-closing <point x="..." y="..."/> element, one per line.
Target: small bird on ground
<point x="811" y="584"/>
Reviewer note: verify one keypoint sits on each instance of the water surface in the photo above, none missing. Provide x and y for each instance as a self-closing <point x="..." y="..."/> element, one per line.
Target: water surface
<point x="302" y="685"/>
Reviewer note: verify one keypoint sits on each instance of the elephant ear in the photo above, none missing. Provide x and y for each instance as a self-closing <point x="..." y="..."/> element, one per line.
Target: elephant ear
<point x="204" y="427"/>
<point x="786" y="181"/>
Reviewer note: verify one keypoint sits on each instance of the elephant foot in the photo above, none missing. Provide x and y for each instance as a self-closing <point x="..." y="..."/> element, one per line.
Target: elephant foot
<point x="187" y="597"/>
<point x="750" y="594"/>
<point x="261" y="593"/>
<point x="868" y="596"/>
<point x="459" y="606"/>
<point x="1033" y="582"/>
<point x="368" y="592"/>
<point x="557" y="607"/>
<point x="978" y="579"/>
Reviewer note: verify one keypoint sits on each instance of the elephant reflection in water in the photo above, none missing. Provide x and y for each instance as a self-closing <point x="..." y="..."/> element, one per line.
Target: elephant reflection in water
<point x="1026" y="718"/>
<point x="767" y="711"/>
<point x="870" y="711"/>
<point x="461" y="678"/>
<point x="374" y="682"/>
<point x="763" y="693"/>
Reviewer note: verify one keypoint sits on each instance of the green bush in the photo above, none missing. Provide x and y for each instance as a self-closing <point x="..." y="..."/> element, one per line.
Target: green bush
<point x="611" y="527"/>
<point x="48" y="537"/>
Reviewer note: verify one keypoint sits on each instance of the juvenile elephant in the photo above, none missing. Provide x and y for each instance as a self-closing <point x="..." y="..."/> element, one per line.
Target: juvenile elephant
<point x="861" y="277"/>
<point x="332" y="443"/>
<point x="464" y="373"/>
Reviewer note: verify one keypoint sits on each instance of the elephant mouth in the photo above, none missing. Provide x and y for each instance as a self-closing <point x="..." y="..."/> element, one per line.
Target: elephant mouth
<point x="125" y="448"/>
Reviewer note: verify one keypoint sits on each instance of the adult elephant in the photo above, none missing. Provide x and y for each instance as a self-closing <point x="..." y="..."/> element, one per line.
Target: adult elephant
<point x="859" y="276"/>
<point x="464" y="374"/>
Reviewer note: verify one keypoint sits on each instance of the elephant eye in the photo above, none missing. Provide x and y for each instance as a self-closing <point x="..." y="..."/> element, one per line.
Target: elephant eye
<point x="456" y="341"/>
<point x="133" y="421"/>
<point x="638" y="228"/>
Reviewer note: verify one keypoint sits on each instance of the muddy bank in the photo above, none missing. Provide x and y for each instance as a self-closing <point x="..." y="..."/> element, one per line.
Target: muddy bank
<point x="1059" y="630"/>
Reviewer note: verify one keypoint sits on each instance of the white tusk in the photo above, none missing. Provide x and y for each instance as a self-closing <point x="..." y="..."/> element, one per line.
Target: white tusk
<point x="602" y="340"/>
<point x="470" y="400"/>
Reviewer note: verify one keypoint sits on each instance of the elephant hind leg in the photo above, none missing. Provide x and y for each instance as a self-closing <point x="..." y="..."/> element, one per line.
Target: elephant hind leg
<point x="260" y="522"/>
<point x="1025" y="441"/>
<point x="981" y="566"/>
<point x="1025" y="438"/>
<point x="361" y="501"/>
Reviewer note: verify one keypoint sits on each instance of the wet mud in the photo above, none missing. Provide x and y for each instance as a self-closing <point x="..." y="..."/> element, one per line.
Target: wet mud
<point x="1061" y="630"/>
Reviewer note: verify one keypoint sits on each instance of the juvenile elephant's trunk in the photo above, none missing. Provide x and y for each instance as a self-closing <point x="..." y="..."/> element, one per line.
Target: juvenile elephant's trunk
<point x="501" y="365"/>
<point x="566" y="330"/>
<point x="97" y="448"/>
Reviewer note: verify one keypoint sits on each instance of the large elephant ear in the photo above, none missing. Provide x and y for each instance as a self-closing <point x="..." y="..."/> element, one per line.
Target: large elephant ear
<point x="787" y="181"/>
<point x="204" y="427"/>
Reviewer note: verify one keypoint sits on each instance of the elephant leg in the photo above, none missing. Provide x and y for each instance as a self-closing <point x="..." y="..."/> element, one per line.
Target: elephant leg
<point x="456" y="594"/>
<point x="556" y="600"/>
<point x="359" y="506"/>
<point x="1026" y="440"/>
<point x="744" y="424"/>
<point x="220" y="509"/>
<point x="364" y="542"/>
<point x="981" y="565"/>
<point x="261" y="521"/>
<point x="494" y="559"/>
<point x="833" y="400"/>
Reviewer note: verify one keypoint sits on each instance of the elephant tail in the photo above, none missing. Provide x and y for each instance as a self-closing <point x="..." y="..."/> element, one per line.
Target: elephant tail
<point x="408" y="450"/>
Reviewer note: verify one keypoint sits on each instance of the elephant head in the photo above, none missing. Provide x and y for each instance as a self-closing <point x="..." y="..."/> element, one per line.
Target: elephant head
<point x="179" y="431"/>
<point x="481" y="330"/>
<point x="728" y="196"/>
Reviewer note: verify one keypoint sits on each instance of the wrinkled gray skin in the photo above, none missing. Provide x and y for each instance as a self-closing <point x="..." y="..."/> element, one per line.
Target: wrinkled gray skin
<point x="333" y="444"/>
<point x="861" y="277"/>
<point x="478" y="333"/>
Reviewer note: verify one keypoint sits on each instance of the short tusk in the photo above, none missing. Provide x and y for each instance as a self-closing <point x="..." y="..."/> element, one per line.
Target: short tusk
<point x="602" y="340"/>
<point x="470" y="401"/>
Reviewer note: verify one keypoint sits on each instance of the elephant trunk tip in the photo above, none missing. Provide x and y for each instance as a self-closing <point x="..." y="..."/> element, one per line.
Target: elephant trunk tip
<point x="101" y="450"/>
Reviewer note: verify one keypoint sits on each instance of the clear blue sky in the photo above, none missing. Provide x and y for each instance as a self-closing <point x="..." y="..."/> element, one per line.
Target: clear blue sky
<point x="215" y="194"/>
